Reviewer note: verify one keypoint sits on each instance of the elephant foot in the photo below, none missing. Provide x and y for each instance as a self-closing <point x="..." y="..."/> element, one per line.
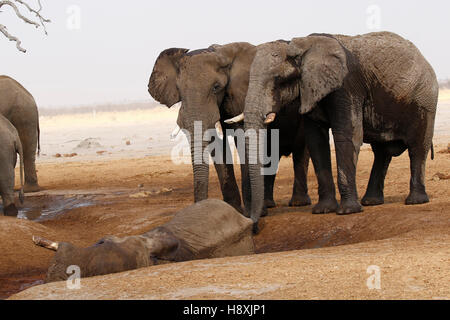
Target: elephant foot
<point x="372" y="200"/>
<point x="269" y="203"/>
<point x="417" y="198"/>
<point x="325" y="206"/>
<point x="349" y="207"/>
<point x="300" y="201"/>
<point x="31" y="187"/>
<point x="11" y="211"/>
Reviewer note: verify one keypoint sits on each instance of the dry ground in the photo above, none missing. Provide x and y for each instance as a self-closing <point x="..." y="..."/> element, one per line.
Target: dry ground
<point x="325" y="256"/>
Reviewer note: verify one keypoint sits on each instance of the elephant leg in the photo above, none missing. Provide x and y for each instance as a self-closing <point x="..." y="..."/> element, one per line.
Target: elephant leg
<point x="300" y="195"/>
<point x="375" y="189"/>
<point x="7" y="192"/>
<point x="417" y="194"/>
<point x="317" y="140"/>
<point x="246" y="189"/>
<point x="348" y="137"/>
<point x="269" y="181"/>
<point x="29" y="145"/>
<point x="227" y="180"/>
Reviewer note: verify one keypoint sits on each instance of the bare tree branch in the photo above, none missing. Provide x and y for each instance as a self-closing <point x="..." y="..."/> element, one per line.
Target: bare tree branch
<point x="12" y="38"/>
<point x="37" y="13"/>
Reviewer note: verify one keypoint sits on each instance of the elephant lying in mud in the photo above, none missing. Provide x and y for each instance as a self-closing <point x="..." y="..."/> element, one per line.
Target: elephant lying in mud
<point x="375" y="88"/>
<point x="10" y="146"/>
<point x="207" y="229"/>
<point x="212" y="85"/>
<point x="19" y="107"/>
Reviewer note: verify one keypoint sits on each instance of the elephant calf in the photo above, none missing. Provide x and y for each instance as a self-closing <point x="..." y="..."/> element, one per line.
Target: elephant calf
<point x="10" y="147"/>
<point x="207" y="229"/>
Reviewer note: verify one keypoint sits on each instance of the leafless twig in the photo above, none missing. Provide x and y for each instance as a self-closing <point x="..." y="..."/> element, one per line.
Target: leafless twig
<point x="13" y="4"/>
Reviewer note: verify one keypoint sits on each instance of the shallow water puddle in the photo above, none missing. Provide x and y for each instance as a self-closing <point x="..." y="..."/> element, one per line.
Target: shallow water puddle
<point x="48" y="205"/>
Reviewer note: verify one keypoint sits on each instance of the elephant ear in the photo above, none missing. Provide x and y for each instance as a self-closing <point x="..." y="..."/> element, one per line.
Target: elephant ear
<point x="323" y="68"/>
<point x="162" y="85"/>
<point x="228" y="53"/>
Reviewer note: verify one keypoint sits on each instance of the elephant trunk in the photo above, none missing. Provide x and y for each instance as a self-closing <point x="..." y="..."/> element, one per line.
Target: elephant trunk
<point x="200" y="165"/>
<point x="201" y="176"/>
<point x="254" y="122"/>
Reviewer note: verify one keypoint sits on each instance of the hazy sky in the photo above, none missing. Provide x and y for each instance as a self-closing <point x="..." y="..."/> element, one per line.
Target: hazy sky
<point x="109" y="56"/>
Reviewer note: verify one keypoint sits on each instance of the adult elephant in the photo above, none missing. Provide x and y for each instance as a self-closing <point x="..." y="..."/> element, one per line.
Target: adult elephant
<point x="19" y="107"/>
<point x="212" y="84"/>
<point x="375" y="88"/>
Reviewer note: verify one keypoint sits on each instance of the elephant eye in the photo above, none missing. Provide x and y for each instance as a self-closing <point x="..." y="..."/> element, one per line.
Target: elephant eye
<point x="216" y="87"/>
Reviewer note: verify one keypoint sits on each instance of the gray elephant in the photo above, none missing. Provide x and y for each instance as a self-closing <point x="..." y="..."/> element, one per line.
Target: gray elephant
<point x="19" y="107"/>
<point x="212" y="84"/>
<point x="207" y="229"/>
<point x="10" y="147"/>
<point x="375" y="88"/>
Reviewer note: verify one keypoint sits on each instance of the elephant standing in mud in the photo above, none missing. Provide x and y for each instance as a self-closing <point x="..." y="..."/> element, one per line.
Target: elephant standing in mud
<point x="207" y="229"/>
<point x="375" y="88"/>
<point x="19" y="107"/>
<point x="10" y="147"/>
<point x="212" y="85"/>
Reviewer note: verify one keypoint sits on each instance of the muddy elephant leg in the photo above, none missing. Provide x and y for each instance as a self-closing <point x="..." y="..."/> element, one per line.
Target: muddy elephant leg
<point x="375" y="189"/>
<point x="417" y="194"/>
<point x="227" y="180"/>
<point x="269" y="182"/>
<point x="317" y="140"/>
<point x="300" y="195"/>
<point x="347" y="130"/>
<point x="7" y="193"/>
<point x="29" y="145"/>
<point x="246" y="189"/>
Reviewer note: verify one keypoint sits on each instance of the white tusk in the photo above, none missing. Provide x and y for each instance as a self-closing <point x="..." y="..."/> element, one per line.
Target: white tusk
<point x="270" y="118"/>
<point x="236" y="119"/>
<point x="51" y="245"/>
<point x="175" y="133"/>
<point x="219" y="130"/>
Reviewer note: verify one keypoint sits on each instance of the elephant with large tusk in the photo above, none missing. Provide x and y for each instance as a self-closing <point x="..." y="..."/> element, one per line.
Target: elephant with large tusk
<point x="212" y="85"/>
<point x="375" y="88"/>
<point x="207" y="229"/>
<point x="19" y="107"/>
<point x="10" y="146"/>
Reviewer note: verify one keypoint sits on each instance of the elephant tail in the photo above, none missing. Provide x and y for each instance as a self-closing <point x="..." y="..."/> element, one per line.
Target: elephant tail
<point x="432" y="151"/>
<point x="20" y="152"/>
<point x="39" y="139"/>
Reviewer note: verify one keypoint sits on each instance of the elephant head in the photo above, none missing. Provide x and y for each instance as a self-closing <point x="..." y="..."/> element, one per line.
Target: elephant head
<point x="109" y="255"/>
<point x="211" y="84"/>
<point x="307" y="69"/>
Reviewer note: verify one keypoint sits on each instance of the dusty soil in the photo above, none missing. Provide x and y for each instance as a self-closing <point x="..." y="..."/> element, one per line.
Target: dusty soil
<point x="86" y="200"/>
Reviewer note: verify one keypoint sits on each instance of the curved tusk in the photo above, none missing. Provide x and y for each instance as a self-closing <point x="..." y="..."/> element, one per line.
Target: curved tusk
<point x="51" y="245"/>
<point x="270" y="118"/>
<point x="236" y="119"/>
<point x="219" y="130"/>
<point x="175" y="132"/>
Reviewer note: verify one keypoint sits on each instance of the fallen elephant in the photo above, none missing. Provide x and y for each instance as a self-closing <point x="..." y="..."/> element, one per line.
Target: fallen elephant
<point x="207" y="229"/>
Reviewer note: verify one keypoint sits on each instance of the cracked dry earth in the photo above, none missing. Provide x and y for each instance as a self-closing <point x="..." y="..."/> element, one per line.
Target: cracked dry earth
<point x="300" y="255"/>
